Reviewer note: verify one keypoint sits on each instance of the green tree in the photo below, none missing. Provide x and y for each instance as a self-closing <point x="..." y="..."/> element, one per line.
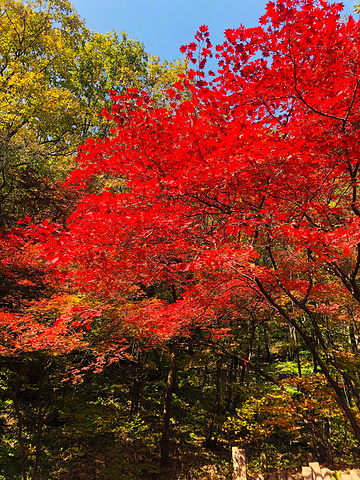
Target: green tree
<point x="55" y="77"/>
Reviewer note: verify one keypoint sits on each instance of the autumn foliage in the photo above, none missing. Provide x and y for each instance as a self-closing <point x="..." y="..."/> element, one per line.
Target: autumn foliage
<point x="244" y="192"/>
<point x="238" y="197"/>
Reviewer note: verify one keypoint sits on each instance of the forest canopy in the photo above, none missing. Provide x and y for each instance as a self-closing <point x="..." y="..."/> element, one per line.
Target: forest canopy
<point x="200" y="254"/>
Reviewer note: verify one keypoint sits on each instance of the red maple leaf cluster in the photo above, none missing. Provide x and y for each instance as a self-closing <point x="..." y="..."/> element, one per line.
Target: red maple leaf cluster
<point x="244" y="193"/>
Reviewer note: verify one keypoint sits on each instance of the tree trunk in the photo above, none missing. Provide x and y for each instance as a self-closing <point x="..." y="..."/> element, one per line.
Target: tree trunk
<point x="136" y="391"/>
<point x="13" y="397"/>
<point x="215" y="411"/>
<point x="318" y="360"/>
<point x="352" y="337"/>
<point x="165" y="438"/>
<point x="42" y="409"/>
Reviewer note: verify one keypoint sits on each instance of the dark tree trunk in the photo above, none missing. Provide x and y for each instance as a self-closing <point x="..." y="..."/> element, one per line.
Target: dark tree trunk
<point x="137" y="385"/>
<point x="13" y="396"/>
<point x="341" y="399"/>
<point x="165" y="438"/>
<point x="215" y="411"/>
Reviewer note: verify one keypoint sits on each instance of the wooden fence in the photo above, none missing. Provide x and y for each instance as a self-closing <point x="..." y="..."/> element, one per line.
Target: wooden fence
<point x="312" y="472"/>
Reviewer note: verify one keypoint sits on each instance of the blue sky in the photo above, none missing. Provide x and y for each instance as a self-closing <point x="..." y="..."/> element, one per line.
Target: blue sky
<point x="164" y="25"/>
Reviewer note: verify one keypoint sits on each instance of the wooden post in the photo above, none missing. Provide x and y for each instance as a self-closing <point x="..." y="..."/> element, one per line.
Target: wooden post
<point x="307" y="473"/>
<point x="326" y="474"/>
<point x="239" y="463"/>
<point x="355" y="474"/>
<point x="345" y="476"/>
<point x="316" y="470"/>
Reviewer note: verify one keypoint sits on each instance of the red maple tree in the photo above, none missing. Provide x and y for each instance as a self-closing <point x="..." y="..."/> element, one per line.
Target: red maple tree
<point x="247" y="188"/>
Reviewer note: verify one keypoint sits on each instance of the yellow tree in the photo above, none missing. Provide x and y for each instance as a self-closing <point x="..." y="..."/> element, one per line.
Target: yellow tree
<point x="55" y="77"/>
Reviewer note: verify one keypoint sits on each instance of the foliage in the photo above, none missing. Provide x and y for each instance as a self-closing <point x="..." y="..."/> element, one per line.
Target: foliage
<point x="54" y="81"/>
<point x="225" y="198"/>
<point x="212" y="251"/>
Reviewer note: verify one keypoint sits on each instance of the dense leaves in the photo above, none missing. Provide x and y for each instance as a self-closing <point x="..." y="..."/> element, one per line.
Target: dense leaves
<point x="55" y="78"/>
<point x="247" y="190"/>
<point x="213" y="245"/>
